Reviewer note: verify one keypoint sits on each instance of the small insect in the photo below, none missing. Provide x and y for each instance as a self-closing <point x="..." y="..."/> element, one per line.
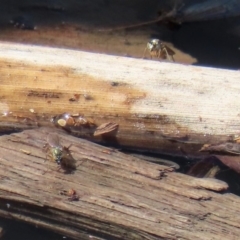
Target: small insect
<point x="59" y="154"/>
<point x="159" y="50"/>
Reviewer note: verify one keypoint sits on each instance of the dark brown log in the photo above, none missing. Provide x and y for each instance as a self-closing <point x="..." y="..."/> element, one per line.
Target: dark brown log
<point x="120" y="196"/>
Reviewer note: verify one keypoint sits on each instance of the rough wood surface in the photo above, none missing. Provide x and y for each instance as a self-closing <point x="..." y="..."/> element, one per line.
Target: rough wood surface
<point x="121" y="197"/>
<point x="165" y="107"/>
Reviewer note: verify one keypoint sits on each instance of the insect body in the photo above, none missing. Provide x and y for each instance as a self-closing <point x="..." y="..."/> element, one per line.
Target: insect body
<point x="159" y="50"/>
<point x="59" y="154"/>
<point x="55" y="150"/>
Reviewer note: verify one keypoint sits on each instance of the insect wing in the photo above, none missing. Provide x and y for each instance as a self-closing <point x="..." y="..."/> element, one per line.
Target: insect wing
<point x="170" y="51"/>
<point x="67" y="161"/>
<point x="53" y="140"/>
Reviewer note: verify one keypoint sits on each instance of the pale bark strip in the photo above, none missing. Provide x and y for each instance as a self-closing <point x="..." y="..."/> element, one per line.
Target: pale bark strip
<point x="153" y="103"/>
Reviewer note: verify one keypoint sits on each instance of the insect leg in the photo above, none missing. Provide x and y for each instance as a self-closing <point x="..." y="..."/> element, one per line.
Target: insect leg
<point x="165" y="50"/>
<point x="144" y="53"/>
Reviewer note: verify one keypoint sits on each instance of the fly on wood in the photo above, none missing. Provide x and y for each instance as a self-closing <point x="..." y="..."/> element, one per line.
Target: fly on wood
<point x="159" y="50"/>
<point x="59" y="154"/>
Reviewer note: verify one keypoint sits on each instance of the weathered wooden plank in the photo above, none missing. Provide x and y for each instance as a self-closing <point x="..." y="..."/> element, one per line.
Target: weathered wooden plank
<point x="120" y="196"/>
<point x="165" y="107"/>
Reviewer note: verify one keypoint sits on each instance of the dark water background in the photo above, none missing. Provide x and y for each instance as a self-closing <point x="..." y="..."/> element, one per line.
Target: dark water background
<point x="15" y="230"/>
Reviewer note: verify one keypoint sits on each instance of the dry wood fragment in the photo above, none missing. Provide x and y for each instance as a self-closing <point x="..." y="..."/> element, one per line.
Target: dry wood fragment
<point x="207" y="168"/>
<point x="232" y="162"/>
<point x="227" y="147"/>
<point x="105" y="128"/>
<point x="120" y="196"/>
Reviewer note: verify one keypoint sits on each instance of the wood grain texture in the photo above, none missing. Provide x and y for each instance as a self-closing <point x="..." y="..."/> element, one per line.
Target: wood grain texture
<point x="163" y="107"/>
<point x="121" y="197"/>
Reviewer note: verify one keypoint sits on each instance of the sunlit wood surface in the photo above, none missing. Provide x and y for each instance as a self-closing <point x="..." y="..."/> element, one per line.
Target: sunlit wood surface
<point x="159" y="106"/>
<point x="120" y="196"/>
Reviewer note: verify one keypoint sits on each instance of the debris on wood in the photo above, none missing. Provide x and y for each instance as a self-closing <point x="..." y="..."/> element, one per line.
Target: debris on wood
<point x="206" y="167"/>
<point x="71" y="194"/>
<point x="106" y="128"/>
<point x="227" y="147"/>
<point x="232" y="162"/>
